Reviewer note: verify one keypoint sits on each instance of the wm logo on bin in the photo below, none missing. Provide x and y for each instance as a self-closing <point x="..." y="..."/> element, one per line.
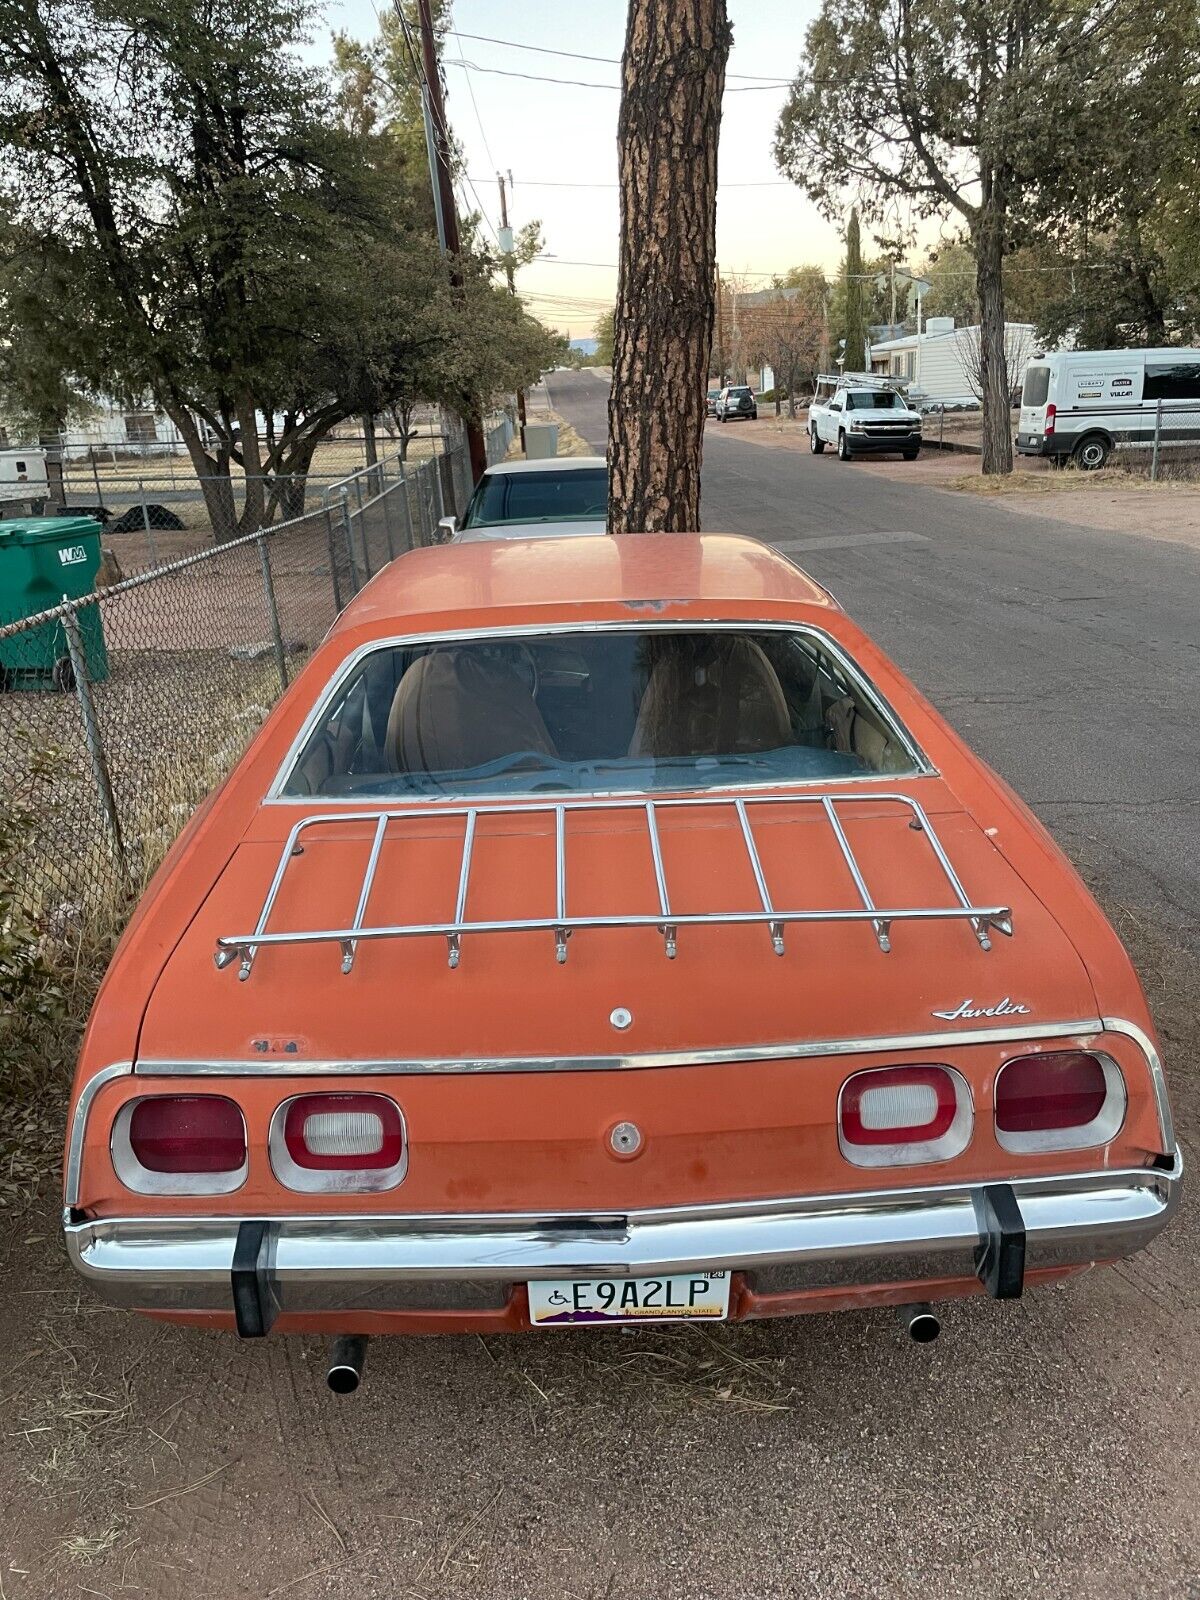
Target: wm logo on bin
<point x="71" y="555"/>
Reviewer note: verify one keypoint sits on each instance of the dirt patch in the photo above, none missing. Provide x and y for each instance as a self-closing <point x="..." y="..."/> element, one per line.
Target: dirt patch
<point x="822" y="1453"/>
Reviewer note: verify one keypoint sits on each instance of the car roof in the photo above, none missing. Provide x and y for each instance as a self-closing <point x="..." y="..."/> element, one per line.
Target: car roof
<point x="501" y="582"/>
<point x="506" y="469"/>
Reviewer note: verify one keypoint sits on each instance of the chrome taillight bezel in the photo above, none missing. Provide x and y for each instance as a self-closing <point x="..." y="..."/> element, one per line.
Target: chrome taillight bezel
<point x="144" y="1180"/>
<point x="911" y="1153"/>
<point x="333" y="1180"/>
<point x="1102" y="1129"/>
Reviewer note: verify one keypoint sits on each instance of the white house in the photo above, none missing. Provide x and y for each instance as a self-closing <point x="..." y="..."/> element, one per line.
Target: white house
<point x="942" y="362"/>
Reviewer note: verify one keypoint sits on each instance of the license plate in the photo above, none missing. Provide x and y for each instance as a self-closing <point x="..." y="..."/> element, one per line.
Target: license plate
<point x="691" y="1297"/>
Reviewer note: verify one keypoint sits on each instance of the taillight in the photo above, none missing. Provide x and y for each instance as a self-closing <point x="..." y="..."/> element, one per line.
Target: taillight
<point x="899" y="1116"/>
<point x="1059" y="1100"/>
<point x="322" y="1142"/>
<point x="1048" y="425"/>
<point x="180" y="1144"/>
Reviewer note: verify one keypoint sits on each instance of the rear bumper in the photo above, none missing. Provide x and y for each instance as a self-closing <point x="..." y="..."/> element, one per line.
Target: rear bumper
<point x="415" y="1264"/>
<point x="1038" y="444"/>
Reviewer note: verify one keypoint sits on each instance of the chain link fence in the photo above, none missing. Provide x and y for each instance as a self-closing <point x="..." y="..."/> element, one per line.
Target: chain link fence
<point x="119" y="711"/>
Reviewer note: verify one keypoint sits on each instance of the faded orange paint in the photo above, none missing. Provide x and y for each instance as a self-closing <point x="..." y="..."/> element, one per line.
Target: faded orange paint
<point x="517" y="1141"/>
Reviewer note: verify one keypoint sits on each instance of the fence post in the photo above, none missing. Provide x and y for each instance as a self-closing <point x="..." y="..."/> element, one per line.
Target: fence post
<point x="94" y="742"/>
<point x="348" y="531"/>
<point x="405" y="506"/>
<point x="333" y="566"/>
<point x="1157" y="438"/>
<point x="384" y="495"/>
<point x="437" y="477"/>
<point x="146" y="522"/>
<point x="273" y="612"/>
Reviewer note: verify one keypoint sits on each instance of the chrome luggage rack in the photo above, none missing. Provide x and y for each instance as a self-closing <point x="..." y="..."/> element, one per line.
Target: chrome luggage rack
<point x="245" y="946"/>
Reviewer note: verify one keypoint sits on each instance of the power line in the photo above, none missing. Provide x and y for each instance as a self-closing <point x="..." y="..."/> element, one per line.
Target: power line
<point x="575" y="55"/>
<point x="475" y="108"/>
<point x="554" y="183"/>
<point x="587" y="83"/>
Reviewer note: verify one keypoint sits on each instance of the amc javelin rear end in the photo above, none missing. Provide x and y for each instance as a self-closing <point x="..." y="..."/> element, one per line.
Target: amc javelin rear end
<point x="601" y="930"/>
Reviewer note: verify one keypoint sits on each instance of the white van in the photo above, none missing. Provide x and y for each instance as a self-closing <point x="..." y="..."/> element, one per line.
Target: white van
<point x="1087" y="403"/>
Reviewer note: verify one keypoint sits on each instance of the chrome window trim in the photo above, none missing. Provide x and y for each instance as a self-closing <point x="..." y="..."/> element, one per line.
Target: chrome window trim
<point x="1103" y="1127"/>
<point x="792" y="1049"/>
<point x="83" y="1106"/>
<point x="326" y="1180"/>
<point x="947" y="1147"/>
<point x="143" y="1180"/>
<point x="922" y="766"/>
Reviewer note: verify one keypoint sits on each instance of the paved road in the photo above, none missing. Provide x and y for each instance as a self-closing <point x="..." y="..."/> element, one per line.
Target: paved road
<point x="1069" y="658"/>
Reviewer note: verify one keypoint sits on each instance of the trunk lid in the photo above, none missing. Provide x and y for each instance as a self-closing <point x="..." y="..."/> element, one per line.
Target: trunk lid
<point x="510" y="998"/>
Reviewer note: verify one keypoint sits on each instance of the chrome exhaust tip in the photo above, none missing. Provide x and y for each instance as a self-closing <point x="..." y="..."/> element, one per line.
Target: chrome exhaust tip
<point x="921" y="1323"/>
<point x="346" y="1362"/>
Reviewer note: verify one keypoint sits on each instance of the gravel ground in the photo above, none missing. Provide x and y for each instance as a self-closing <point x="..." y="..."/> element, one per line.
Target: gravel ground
<point x="1043" y="1447"/>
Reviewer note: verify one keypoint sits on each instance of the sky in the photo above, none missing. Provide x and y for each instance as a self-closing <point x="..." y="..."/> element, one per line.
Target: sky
<point x="559" y="140"/>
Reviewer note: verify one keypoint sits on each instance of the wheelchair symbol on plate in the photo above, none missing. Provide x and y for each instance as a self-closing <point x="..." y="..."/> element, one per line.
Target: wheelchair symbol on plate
<point x="557" y="1298"/>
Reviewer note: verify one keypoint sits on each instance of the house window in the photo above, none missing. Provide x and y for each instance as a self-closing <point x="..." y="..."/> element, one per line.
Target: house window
<point x="140" y="427"/>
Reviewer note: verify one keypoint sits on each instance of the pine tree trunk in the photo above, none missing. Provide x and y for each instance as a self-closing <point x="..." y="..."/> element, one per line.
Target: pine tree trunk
<point x="672" y="80"/>
<point x="993" y="363"/>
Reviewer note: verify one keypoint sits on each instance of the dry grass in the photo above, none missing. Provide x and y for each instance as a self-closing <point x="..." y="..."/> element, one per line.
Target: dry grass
<point x="1066" y="480"/>
<point x="661" y="1370"/>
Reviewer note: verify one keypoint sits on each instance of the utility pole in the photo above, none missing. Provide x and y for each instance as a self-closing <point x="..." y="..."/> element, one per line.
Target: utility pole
<point x="443" y="189"/>
<point x="512" y="288"/>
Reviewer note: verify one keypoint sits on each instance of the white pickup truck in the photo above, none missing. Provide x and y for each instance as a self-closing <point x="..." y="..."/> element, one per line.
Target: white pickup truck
<point x="860" y="414"/>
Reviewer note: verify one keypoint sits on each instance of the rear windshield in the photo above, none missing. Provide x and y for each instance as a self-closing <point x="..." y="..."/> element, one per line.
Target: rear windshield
<point x="546" y="496"/>
<point x="1037" y="386"/>
<point x="597" y="711"/>
<point x="739" y="392"/>
<point x="877" y="400"/>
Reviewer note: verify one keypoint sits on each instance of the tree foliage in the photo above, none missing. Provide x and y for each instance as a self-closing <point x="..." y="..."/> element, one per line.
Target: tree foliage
<point x="785" y="327"/>
<point x="193" y="216"/>
<point x="1000" y="113"/>
<point x="854" y="325"/>
<point x="604" y="338"/>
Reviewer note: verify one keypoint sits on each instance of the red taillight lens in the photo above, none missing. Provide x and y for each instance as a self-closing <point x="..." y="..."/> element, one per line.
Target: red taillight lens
<point x="1048" y="425"/>
<point x="187" y="1133"/>
<point x="895" y="1116"/>
<point x="339" y="1141"/>
<point x="1061" y="1100"/>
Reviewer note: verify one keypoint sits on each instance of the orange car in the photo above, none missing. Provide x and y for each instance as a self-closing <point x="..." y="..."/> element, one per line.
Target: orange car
<point x="602" y="930"/>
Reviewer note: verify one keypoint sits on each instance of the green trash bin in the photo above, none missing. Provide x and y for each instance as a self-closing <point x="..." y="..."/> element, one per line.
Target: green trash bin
<point x="43" y="559"/>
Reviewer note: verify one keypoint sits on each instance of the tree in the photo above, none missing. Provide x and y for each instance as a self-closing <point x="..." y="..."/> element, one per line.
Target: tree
<point x="854" y="327"/>
<point x="604" y="339"/>
<point x="785" y="326"/>
<point x="220" y="238"/>
<point x="946" y="105"/>
<point x="672" y="80"/>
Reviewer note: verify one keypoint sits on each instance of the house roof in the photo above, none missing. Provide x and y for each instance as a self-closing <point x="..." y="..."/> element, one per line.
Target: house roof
<point x="910" y="341"/>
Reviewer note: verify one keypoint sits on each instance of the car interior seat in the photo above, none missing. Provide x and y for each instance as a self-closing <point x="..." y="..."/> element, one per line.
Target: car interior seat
<point x="710" y="695"/>
<point x="459" y="707"/>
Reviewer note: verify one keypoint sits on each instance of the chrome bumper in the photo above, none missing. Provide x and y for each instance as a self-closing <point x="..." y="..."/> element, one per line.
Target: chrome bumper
<point x="447" y="1262"/>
